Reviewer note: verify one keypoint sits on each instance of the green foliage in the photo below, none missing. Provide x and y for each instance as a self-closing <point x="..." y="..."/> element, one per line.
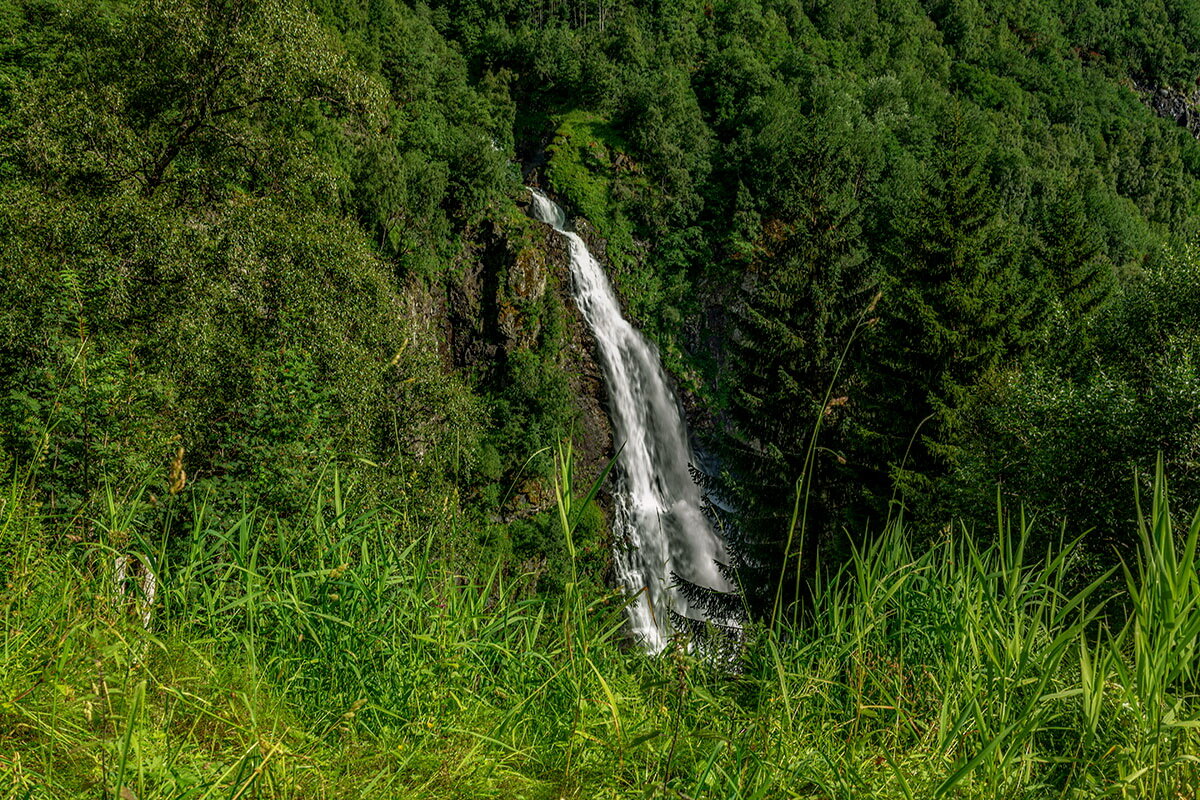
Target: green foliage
<point x="986" y="164"/>
<point x="440" y="161"/>
<point x="190" y="198"/>
<point x="221" y="99"/>
<point x="338" y="652"/>
<point x="1082" y="419"/>
<point x="590" y="167"/>
<point x="272" y="249"/>
<point x="268" y="354"/>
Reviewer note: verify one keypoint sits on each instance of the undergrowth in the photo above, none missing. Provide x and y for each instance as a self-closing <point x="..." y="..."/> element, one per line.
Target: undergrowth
<point x="335" y="656"/>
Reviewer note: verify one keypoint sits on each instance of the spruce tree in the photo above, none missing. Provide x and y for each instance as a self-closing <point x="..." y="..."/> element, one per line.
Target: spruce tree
<point x="961" y="298"/>
<point x="809" y="279"/>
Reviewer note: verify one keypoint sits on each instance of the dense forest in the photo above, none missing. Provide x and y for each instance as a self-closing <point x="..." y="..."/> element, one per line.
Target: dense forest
<point x="284" y="360"/>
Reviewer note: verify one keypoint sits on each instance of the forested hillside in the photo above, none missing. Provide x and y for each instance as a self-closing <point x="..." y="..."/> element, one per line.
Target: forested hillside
<point x="993" y="171"/>
<point x="271" y="302"/>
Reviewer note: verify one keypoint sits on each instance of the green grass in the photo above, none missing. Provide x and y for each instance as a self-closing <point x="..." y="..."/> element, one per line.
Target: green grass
<point x="592" y="171"/>
<point x="338" y="656"/>
<point x="585" y="167"/>
<point x="590" y="167"/>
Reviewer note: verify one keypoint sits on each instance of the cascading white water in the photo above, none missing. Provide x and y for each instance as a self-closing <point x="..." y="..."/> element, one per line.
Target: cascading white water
<point x="660" y="527"/>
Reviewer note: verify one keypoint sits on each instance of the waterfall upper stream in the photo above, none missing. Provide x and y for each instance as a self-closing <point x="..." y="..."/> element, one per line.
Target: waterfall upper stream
<point x="661" y="530"/>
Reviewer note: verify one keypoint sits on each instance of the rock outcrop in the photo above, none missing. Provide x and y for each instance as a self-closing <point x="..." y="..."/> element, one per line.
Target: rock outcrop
<point x="1175" y="104"/>
<point x="513" y="281"/>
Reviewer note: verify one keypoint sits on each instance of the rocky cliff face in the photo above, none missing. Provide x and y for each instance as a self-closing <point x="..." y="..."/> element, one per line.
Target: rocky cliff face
<point x="1175" y="104"/>
<point x="512" y="295"/>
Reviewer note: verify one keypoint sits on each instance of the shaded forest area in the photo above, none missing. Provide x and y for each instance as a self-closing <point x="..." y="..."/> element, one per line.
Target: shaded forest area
<point x="286" y="238"/>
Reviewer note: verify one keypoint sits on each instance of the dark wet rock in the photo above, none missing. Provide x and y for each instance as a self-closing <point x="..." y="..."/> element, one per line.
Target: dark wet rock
<point x="1170" y="103"/>
<point x="515" y="276"/>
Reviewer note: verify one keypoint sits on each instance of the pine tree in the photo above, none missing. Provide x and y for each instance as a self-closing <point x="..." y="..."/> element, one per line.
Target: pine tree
<point x="1068" y="245"/>
<point x="808" y="282"/>
<point x="961" y="299"/>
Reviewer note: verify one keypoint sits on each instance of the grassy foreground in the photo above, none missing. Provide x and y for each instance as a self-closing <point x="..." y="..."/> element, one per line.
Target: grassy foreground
<point x="326" y="659"/>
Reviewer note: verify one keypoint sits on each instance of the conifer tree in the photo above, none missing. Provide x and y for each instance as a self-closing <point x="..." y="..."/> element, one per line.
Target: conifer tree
<point x="809" y="280"/>
<point x="961" y="298"/>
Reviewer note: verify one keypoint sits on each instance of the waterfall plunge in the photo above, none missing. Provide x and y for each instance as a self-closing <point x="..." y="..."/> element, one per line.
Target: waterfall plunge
<point x="660" y="528"/>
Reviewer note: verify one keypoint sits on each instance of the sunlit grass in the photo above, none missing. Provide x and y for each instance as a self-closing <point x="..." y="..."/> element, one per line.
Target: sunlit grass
<point x="337" y="657"/>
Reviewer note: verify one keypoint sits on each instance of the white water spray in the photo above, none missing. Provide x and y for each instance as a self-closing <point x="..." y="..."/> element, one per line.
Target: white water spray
<point x="659" y="525"/>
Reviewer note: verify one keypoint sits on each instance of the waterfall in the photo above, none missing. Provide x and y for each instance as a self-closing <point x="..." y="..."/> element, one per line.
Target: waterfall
<point x="659" y="525"/>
